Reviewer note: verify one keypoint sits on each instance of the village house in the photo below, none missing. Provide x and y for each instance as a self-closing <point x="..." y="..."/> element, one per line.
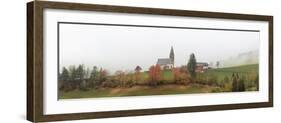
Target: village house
<point x="201" y="67"/>
<point x="167" y="63"/>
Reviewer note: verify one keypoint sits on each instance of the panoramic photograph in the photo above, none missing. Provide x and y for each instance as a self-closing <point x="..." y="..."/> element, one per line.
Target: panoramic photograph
<point x="115" y="60"/>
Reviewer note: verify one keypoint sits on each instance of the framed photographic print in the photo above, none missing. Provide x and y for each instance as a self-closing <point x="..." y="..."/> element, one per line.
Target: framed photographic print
<point x="97" y="61"/>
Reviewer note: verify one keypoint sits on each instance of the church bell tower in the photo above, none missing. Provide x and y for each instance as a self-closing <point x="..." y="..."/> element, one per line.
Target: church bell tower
<point x="172" y="55"/>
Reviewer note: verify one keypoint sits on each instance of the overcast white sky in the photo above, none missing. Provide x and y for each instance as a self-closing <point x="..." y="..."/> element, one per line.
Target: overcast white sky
<point x="123" y="48"/>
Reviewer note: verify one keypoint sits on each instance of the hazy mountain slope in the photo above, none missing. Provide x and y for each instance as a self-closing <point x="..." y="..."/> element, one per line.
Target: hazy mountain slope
<point x="251" y="57"/>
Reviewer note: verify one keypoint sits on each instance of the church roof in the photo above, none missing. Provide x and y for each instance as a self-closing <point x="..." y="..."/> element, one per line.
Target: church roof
<point x="164" y="61"/>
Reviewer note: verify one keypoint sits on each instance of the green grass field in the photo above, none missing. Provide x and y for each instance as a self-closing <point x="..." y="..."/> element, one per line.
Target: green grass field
<point x="241" y="70"/>
<point x="249" y="71"/>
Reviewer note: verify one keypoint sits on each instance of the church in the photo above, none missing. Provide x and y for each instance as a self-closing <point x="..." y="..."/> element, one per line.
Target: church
<point x="167" y="63"/>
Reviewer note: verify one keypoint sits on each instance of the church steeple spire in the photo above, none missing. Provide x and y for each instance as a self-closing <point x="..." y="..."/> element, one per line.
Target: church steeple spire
<point x="172" y="55"/>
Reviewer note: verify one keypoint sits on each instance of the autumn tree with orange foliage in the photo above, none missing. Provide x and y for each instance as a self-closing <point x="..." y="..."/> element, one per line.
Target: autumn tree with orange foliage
<point x="181" y="75"/>
<point x="155" y="74"/>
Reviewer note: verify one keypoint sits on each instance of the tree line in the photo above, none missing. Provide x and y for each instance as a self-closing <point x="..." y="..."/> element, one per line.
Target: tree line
<point x="82" y="78"/>
<point x="78" y="77"/>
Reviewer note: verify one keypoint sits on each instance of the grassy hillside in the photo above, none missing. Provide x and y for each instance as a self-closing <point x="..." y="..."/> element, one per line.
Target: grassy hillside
<point x="219" y="73"/>
<point x="218" y="76"/>
<point x="244" y="70"/>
